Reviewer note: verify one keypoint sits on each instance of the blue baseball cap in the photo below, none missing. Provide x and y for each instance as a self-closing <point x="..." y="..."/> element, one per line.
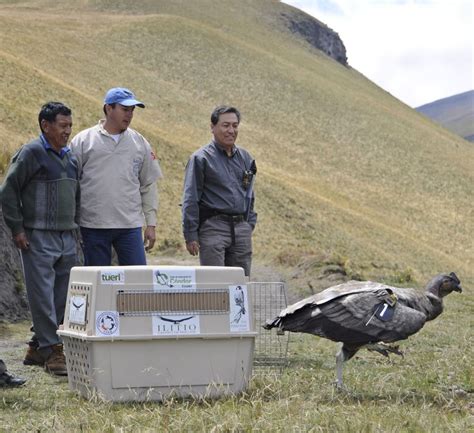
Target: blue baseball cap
<point x="122" y="96"/>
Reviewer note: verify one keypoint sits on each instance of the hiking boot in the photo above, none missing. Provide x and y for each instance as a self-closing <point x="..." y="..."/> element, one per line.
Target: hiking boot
<point x="33" y="356"/>
<point x="56" y="362"/>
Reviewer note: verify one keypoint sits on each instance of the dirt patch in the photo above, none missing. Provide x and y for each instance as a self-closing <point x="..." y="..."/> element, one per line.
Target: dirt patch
<point x="13" y="339"/>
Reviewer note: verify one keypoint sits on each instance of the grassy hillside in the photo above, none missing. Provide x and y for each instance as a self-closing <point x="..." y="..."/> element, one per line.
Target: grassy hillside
<point x="347" y="174"/>
<point x="345" y="169"/>
<point x="455" y="113"/>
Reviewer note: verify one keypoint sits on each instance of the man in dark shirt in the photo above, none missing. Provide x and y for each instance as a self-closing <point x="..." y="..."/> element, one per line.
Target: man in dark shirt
<point x="40" y="201"/>
<point x="218" y="197"/>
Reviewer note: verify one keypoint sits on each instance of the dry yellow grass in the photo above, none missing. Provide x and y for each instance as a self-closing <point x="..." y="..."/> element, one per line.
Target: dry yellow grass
<point x="344" y="168"/>
<point x="346" y="172"/>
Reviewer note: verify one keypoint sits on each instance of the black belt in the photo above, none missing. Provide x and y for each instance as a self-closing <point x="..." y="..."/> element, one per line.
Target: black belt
<point x="232" y="220"/>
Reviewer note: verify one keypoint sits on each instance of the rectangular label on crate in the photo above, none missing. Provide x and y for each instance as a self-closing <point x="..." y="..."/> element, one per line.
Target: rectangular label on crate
<point x="77" y="309"/>
<point x="107" y="323"/>
<point x="117" y="276"/>
<point x="165" y="279"/>
<point x="239" y="309"/>
<point x="176" y="325"/>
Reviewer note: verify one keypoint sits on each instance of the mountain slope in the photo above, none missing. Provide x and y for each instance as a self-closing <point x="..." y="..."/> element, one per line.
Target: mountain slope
<point x="344" y="168"/>
<point x="455" y="113"/>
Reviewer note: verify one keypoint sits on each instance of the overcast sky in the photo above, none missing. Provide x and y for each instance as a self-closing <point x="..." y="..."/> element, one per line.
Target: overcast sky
<point x="418" y="50"/>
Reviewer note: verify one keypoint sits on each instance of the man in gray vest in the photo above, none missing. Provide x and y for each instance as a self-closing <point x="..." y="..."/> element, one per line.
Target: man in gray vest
<point x="218" y="197"/>
<point x="40" y="202"/>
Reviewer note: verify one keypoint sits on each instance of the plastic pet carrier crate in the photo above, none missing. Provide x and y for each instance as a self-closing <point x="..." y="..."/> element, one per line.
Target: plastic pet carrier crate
<point x="138" y="333"/>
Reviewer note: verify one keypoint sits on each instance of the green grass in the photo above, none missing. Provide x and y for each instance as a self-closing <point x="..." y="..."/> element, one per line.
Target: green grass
<point x="431" y="389"/>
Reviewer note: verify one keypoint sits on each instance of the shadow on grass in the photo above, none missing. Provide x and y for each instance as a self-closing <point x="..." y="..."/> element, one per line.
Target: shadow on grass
<point x="410" y="397"/>
<point x="304" y="362"/>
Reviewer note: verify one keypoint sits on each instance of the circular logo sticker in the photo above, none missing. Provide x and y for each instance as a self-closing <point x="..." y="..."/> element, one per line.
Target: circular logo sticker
<point x="107" y="323"/>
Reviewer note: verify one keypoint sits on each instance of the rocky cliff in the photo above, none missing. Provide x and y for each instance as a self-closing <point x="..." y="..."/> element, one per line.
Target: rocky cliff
<point x="13" y="305"/>
<point x="317" y="34"/>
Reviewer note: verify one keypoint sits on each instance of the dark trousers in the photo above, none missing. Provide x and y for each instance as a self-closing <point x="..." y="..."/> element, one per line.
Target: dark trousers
<point x="216" y="247"/>
<point x="128" y="243"/>
<point x="47" y="264"/>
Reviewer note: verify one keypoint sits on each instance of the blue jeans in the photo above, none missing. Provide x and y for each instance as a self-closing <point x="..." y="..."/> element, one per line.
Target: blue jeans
<point x="128" y="243"/>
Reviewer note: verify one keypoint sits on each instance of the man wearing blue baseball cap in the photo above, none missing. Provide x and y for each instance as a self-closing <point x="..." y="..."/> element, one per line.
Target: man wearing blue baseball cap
<point x="122" y="96"/>
<point x="118" y="174"/>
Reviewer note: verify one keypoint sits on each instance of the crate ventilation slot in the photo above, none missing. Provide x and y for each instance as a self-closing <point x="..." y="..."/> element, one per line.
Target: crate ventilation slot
<point x="149" y="302"/>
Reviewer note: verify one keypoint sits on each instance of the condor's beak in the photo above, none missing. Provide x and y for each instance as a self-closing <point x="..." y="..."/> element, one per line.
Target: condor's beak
<point x="458" y="288"/>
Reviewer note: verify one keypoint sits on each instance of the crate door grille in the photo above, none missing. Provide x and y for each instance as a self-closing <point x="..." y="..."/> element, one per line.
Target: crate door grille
<point x="271" y="349"/>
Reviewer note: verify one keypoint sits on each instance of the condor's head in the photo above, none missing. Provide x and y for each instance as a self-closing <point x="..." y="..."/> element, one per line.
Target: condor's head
<point x="443" y="284"/>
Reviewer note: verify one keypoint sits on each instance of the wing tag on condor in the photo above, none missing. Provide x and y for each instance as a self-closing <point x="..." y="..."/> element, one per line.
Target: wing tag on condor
<point x="384" y="312"/>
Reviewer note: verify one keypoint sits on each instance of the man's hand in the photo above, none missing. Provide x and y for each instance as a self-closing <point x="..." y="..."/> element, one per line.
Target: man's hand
<point x="21" y="241"/>
<point x="149" y="238"/>
<point x="193" y="248"/>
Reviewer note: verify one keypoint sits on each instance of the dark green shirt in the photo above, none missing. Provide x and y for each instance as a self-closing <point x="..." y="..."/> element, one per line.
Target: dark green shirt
<point x="41" y="190"/>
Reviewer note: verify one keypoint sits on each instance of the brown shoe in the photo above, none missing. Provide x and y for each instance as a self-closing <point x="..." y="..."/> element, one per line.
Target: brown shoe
<point x="33" y="356"/>
<point x="56" y="362"/>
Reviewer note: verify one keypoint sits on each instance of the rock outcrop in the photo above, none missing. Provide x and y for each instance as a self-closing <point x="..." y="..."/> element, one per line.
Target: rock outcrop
<point x="317" y="34"/>
<point x="13" y="305"/>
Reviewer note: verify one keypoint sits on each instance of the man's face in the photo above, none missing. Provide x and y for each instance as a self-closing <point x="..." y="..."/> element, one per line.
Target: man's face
<point x="120" y="116"/>
<point x="226" y="129"/>
<point x="57" y="132"/>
